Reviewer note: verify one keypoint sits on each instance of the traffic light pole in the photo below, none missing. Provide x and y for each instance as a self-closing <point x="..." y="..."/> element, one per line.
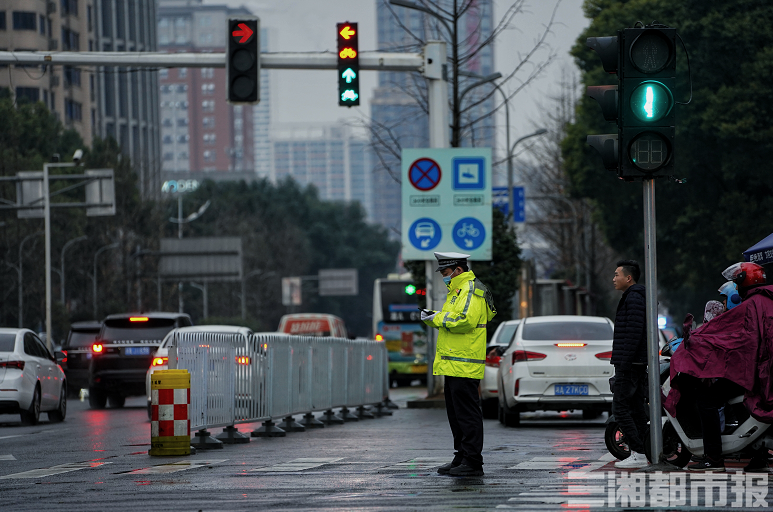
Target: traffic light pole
<point x="651" y="298"/>
<point x="435" y="71"/>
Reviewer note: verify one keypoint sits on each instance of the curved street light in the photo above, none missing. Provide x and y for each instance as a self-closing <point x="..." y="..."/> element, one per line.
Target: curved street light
<point x="64" y="250"/>
<point x="94" y="282"/>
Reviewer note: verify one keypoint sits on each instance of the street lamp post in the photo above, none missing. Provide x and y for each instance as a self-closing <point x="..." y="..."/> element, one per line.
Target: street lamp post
<point x="94" y="281"/>
<point x="510" y="151"/>
<point x="64" y="250"/>
<point x="205" y="294"/>
<point x="180" y="221"/>
<point x="20" y="271"/>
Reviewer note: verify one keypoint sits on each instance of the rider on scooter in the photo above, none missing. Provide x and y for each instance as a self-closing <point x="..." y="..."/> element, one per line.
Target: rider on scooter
<point x="710" y="394"/>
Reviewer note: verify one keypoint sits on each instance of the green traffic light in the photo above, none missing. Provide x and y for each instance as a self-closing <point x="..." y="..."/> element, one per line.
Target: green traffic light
<point x="410" y="289"/>
<point x="651" y="101"/>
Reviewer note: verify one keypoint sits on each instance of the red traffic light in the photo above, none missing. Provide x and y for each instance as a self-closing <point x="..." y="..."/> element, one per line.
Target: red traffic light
<point x="244" y="32"/>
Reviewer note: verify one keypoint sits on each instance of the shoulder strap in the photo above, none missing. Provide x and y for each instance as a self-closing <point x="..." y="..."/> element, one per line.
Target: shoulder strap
<point x="483" y="292"/>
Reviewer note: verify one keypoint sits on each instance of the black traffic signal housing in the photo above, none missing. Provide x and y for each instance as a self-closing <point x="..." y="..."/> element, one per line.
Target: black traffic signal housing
<point x="243" y="60"/>
<point x="608" y="97"/>
<point x="642" y="103"/>
<point x="648" y="120"/>
<point x="348" y="64"/>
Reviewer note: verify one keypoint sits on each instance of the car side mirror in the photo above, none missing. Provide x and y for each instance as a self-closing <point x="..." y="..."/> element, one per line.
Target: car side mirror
<point x="60" y="357"/>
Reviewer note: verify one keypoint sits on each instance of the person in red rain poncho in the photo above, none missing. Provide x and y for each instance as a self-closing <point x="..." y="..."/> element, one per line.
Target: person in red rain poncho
<point x="731" y="354"/>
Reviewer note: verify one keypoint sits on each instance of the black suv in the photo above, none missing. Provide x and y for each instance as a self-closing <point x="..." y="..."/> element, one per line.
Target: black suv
<point x="123" y="353"/>
<point x="77" y="346"/>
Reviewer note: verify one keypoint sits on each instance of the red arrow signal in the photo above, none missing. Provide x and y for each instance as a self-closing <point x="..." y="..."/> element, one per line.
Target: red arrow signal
<point x="347" y="32"/>
<point x="245" y="33"/>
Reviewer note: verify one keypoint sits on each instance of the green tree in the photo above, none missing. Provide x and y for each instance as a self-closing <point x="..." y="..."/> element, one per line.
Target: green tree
<point x="722" y="143"/>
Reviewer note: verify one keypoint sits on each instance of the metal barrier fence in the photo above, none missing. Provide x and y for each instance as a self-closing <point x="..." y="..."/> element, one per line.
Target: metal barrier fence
<point x="262" y="377"/>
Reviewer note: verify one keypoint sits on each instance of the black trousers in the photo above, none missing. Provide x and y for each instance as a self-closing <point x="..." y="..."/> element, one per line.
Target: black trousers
<point x="629" y="404"/>
<point x="465" y="419"/>
<point x="709" y="398"/>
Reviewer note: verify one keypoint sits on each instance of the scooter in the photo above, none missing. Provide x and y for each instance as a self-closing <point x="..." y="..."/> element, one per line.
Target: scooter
<point x="741" y="438"/>
<point x="674" y="450"/>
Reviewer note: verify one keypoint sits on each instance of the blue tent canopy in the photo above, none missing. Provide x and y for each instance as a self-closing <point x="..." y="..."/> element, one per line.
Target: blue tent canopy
<point x="761" y="252"/>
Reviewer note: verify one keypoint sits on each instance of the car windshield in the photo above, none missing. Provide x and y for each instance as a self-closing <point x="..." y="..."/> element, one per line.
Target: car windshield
<point x="7" y="342"/>
<point x="153" y="330"/>
<point x="81" y="338"/>
<point x="563" y="331"/>
<point x="505" y="334"/>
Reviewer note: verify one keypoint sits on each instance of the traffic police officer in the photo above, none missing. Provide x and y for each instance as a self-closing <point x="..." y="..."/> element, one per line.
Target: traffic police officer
<point x="461" y="357"/>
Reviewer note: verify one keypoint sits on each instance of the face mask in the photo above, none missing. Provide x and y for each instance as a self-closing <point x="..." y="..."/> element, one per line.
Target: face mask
<point x="447" y="280"/>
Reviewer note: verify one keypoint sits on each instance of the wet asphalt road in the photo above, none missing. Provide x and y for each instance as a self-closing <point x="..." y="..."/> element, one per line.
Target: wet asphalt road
<point x="97" y="460"/>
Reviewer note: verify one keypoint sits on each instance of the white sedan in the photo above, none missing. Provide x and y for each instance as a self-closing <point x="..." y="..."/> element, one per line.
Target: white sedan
<point x="161" y="357"/>
<point x="557" y="363"/>
<point x="31" y="379"/>
<point x="489" y="392"/>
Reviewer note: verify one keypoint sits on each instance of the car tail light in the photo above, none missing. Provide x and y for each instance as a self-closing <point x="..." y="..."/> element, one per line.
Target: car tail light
<point x="379" y="337"/>
<point x="564" y="345"/>
<point x="160" y="361"/>
<point x="604" y="355"/>
<point x="242" y="360"/>
<point x="19" y="365"/>
<point x="493" y="360"/>
<point x="97" y="348"/>
<point x="138" y="319"/>
<point x="525" y="355"/>
<point x="517" y="387"/>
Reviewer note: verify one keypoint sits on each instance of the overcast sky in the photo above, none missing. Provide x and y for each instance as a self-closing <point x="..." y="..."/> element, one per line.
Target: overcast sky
<point x="309" y="25"/>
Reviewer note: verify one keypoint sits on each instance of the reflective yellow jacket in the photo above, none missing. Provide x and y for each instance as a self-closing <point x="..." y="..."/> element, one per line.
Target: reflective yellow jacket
<point x="461" y="343"/>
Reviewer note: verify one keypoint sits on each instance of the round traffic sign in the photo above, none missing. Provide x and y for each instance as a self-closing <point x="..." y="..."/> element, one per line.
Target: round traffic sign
<point x="424" y="174"/>
<point x="469" y="233"/>
<point x="425" y="234"/>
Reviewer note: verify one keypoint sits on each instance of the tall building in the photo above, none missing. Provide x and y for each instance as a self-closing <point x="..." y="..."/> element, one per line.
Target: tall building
<point x="262" y="117"/>
<point x="200" y="130"/>
<point x="127" y="98"/>
<point x="65" y="25"/>
<point x="398" y="118"/>
<point x="327" y="157"/>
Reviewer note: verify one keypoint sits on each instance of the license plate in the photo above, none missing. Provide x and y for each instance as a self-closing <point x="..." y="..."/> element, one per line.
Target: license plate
<point x="419" y="369"/>
<point x="137" y="351"/>
<point x="571" y="389"/>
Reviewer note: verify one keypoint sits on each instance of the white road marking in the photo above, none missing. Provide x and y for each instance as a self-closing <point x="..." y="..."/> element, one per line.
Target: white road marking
<point x="421" y="463"/>
<point x="55" y="470"/>
<point x="298" y="464"/>
<point x="9" y="437"/>
<point x="174" y="467"/>
<point x="7" y="457"/>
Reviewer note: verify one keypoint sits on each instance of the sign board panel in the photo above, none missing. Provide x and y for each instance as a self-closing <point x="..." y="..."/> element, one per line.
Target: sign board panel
<point x="201" y="259"/>
<point x="291" y="291"/>
<point x="446" y="202"/>
<point x="499" y="199"/>
<point x="101" y="192"/>
<point x="337" y="282"/>
<point x="29" y="192"/>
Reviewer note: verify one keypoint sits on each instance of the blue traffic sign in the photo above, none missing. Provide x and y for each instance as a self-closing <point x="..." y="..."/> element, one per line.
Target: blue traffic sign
<point x="469" y="233"/>
<point x="424" y="174"/>
<point x="469" y="173"/>
<point x="500" y="202"/>
<point x="425" y="234"/>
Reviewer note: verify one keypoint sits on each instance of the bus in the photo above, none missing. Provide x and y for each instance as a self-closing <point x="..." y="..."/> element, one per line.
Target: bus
<point x="397" y="322"/>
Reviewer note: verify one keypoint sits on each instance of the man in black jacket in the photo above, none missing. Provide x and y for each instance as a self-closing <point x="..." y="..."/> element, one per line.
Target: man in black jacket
<point x="629" y="356"/>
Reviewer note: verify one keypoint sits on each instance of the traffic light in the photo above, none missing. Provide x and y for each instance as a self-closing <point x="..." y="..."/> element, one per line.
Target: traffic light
<point x="642" y="103"/>
<point x="348" y="65"/>
<point x="243" y="60"/>
<point x="649" y="79"/>
<point x="608" y="97"/>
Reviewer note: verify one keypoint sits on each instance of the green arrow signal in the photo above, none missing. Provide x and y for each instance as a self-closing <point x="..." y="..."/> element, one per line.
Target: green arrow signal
<point x="349" y="75"/>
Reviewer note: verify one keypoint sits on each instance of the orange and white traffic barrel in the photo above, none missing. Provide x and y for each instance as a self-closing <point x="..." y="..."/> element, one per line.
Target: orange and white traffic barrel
<point x="170" y="404"/>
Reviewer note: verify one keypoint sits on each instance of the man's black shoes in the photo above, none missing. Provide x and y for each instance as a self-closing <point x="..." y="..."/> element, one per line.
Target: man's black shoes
<point x="443" y="470"/>
<point x="465" y="470"/>
<point x="757" y="464"/>
<point x="708" y="464"/>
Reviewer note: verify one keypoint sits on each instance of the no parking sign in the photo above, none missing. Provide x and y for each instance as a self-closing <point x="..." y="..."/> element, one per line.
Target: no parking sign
<point x="446" y="202"/>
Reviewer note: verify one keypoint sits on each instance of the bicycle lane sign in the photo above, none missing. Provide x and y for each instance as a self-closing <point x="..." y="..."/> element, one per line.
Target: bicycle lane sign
<point x="469" y="233"/>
